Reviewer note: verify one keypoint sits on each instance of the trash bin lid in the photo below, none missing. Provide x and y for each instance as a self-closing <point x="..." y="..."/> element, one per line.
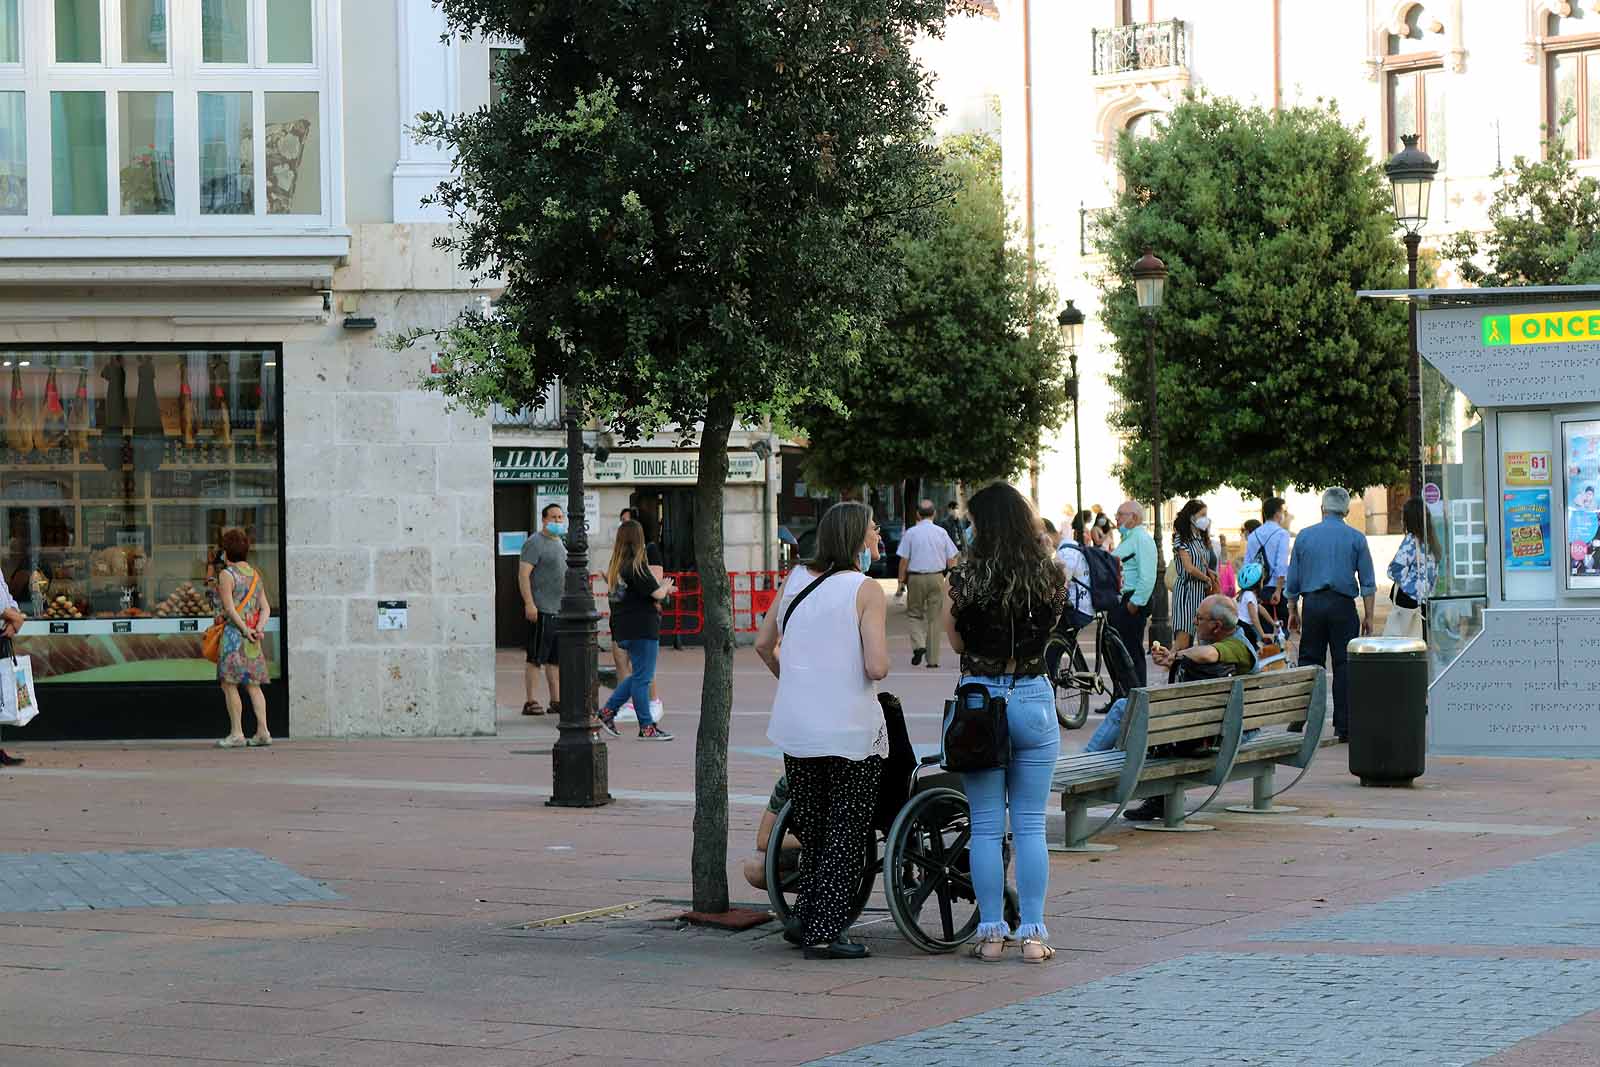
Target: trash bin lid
<point x="1364" y="646"/>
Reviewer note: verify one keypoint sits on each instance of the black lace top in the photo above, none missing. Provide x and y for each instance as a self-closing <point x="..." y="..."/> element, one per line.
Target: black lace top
<point x="994" y="636"/>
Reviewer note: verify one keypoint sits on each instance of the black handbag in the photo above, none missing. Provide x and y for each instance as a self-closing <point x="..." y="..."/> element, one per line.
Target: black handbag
<point x="976" y="734"/>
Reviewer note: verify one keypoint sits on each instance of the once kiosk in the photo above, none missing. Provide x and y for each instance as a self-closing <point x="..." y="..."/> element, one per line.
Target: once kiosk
<point x="1511" y="435"/>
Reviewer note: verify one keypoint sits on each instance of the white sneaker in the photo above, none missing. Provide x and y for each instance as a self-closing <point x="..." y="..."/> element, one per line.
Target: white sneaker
<point x="656" y="711"/>
<point x="627" y="714"/>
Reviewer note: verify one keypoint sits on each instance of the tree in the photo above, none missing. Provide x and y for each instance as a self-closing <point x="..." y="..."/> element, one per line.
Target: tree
<point x="1544" y="225"/>
<point x="1272" y="372"/>
<point x="967" y="375"/>
<point x="692" y="205"/>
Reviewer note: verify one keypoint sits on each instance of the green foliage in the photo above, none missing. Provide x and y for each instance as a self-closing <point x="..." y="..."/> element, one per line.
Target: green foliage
<point x="693" y="207"/>
<point x="1271" y="371"/>
<point x="1544" y="225"/>
<point x="968" y="372"/>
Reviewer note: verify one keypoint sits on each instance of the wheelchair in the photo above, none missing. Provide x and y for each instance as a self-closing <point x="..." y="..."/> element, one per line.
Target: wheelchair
<point x="923" y="857"/>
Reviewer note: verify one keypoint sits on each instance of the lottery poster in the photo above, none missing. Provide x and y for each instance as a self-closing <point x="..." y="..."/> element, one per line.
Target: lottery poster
<point x="1527" y="526"/>
<point x="1581" y="490"/>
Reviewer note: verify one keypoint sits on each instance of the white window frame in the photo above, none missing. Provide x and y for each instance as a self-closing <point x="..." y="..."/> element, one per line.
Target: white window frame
<point x="185" y="77"/>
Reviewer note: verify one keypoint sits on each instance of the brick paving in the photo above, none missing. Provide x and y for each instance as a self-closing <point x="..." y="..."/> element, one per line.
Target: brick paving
<point x="441" y="861"/>
<point x="81" y="881"/>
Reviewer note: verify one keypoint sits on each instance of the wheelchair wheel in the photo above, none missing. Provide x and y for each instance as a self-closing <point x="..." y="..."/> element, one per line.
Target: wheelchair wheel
<point x="927" y="871"/>
<point x="783" y="880"/>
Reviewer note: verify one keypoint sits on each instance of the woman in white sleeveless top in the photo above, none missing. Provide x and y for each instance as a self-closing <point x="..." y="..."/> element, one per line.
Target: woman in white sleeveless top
<point x="828" y="654"/>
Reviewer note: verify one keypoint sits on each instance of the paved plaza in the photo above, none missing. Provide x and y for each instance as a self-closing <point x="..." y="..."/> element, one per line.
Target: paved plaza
<point x="415" y="902"/>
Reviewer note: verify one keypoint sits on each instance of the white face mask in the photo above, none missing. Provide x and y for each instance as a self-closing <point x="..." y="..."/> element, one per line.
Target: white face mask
<point x="1203" y="523"/>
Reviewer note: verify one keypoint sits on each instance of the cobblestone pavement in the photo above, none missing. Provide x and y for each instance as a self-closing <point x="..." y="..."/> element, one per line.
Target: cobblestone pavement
<point x="1251" y="1008"/>
<point x="1550" y="901"/>
<point x="83" y="881"/>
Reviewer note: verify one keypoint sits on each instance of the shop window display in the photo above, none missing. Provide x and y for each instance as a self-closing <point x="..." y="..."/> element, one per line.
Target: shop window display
<point x="119" y="468"/>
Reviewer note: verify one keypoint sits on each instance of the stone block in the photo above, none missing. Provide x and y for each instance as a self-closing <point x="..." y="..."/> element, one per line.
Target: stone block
<point x="427" y="519"/>
<point x="422" y="418"/>
<point x="475" y="519"/>
<point x="380" y="370"/>
<point x="310" y="520"/>
<point x="308" y="693"/>
<point x="400" y="469"/>
<point x="432" y="269"/>
<point x="364" y="418"/>
<point x="409" y="700"/>
<point x="465" y="468"/>
<point x="308" y="417"/>
<point x="464" y="681"/>
<point x="385" y="251"/>
<point x="397" y="571"/>
<point x="464" y="569"/>
<point x="741" y="530"/>
<point x="465" y="426"/>
<point x="315" y="622"/>
<point x="467" y="620"/>
<point x="329" y="571"/>
<point x="367" y="520"/>
<point x="321" y="365"/>
<point x="361" y="622"/>
<point x="355" y="695"/>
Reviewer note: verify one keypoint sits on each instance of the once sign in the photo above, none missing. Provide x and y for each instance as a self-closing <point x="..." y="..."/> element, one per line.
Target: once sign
<point x="1541" y="327"/>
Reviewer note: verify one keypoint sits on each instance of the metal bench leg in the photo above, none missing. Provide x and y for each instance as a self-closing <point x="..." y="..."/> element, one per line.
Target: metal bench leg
<point x="1172" y="820"/>
<point x="1077" y="812"/>
<point x="1261" y="797"/>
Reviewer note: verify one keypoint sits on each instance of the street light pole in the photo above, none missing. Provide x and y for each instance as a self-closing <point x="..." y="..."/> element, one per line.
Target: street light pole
<point x="1410" y="172"/>
<point x="1149" y="282"/>
<point x="579" y="758"/>
<point x="1071" y="322"/>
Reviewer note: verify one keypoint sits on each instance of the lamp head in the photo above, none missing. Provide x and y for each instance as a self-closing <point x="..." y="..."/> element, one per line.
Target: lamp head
<point x="1149" y="282"/>
<point x="1071" y="322"/>
<point x="1411" y="172"/>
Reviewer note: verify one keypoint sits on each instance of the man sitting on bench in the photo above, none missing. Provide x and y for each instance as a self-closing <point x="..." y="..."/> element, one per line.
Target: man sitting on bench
<point x="1216" y="627"/>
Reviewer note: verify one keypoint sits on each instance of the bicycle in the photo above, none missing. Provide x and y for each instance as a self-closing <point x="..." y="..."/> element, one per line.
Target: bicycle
<point x="1076" y="680"/>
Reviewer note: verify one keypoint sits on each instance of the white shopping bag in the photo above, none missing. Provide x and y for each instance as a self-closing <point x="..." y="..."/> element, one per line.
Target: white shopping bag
<point x="18" y="701"/>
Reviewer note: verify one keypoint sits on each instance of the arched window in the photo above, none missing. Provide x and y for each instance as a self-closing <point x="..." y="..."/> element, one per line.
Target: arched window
<point x="1143" y="124"/>
<point x="1414" y="82"/>
<point x="1572" y="77"/>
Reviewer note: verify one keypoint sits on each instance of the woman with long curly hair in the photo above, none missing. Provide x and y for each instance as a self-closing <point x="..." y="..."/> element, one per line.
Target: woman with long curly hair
<point x="1005" y="598"/>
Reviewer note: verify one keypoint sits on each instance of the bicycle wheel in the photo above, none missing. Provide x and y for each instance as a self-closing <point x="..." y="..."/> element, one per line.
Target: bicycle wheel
<point x="1072" y="700"/>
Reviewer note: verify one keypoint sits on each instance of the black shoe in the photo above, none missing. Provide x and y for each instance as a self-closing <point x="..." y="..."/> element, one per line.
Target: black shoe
<point x="1297" y="728"/>
<point x="795" y="936"/>
<point x="1152" y="809"/>
<point x="1344" y="739"/>
<point x="839" y="950"/>
<point x="917" y="654"/>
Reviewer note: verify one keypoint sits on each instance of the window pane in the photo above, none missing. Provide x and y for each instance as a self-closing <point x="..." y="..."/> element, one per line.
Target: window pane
<point x="289" y="31"/>
<point x="144" y="31"/>
<point x="227" y="151"/>
<point x="10" y="32"/>
<point x="225" y="31"/>
<point x="78" y="153"/>
<point x="1433" y="131"/>
<point x="77" y="31"/>
<point x="13" y="154"/>
<point x="1564" y="100"/>
<point x="1402" y="108"/>
<point x="294" y="162"/>
<point x="146" y="171"/>
<point x="1591" y="108"/>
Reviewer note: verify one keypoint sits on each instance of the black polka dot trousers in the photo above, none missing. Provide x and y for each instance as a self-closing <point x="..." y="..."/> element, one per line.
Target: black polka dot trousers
<point x="833" y="800"/>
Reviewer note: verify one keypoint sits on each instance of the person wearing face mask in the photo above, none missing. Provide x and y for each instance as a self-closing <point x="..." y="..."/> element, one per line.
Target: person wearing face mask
<point x="825" y="642"/>
<point x="1197" y="569"/>
<point x="540" y="572"/>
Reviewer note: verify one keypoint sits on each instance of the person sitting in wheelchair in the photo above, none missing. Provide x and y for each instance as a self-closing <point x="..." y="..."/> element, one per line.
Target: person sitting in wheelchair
<point x="755" y="867"/>
<point x="1224" y="649"/>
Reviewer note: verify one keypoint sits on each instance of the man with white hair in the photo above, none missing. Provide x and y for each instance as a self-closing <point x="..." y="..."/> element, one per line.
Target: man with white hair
<point x="1329" y="567"/>
<point x="1137" y="551"/>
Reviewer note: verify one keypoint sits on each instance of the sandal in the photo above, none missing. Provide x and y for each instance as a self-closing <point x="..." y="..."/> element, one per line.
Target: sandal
<point x="232" y="742"/>
<point x="980" y="950"/>
<point x="1045" y="952"/>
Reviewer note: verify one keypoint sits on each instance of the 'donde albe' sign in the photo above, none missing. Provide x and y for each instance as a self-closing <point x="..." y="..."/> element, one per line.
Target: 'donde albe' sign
<point x="548" y="466"/>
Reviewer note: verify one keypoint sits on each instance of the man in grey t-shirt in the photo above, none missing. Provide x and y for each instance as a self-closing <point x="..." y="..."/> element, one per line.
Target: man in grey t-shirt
<point x="541" y="572"/>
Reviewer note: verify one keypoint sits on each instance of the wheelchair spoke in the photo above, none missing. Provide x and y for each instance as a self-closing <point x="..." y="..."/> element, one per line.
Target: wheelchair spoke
<point x="946" y="914"/>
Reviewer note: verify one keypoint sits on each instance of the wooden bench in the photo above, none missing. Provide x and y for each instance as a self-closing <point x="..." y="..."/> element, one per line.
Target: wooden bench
<point x="1227" y="708"/>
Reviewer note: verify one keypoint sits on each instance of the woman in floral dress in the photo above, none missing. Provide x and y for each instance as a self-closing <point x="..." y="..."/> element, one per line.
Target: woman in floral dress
<point x="245" y="611"/>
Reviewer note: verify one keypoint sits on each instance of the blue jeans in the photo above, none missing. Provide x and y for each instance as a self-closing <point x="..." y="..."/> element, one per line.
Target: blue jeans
<point x="1025" y="786"/>
<point x="1109" y="733"/>
<point x="636" y="686"/>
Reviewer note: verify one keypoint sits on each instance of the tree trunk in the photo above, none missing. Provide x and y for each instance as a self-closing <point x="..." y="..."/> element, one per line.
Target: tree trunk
<point x="708" y="863"/>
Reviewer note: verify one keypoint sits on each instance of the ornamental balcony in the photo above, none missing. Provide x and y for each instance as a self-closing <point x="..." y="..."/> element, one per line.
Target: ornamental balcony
<point x="1143" y="46"/>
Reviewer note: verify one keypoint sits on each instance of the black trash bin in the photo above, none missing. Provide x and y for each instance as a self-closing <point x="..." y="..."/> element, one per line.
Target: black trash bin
<point x="1388" y="709"/>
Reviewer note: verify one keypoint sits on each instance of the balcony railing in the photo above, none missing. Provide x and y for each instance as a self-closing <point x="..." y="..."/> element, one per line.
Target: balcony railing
<point x="545" y="416"/>
<point x="1142" y="46"/>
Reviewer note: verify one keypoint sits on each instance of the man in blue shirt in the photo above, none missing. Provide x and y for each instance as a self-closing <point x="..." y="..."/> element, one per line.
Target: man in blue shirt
<point x="1137" y="551"/>
<point x="1268" y="545"/>
<point x="1330" y="566"/>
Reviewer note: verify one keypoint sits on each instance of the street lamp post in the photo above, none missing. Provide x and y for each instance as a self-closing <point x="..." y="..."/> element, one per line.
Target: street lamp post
<point x="1411" y="172"/>
<point x="1071" y="322"/>
<point x="1149" y="285"/>
<point x="580" y="776"/>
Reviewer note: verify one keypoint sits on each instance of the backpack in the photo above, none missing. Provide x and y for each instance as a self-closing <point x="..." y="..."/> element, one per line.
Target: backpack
<point x="1105" y="578"/>
<point x="1261" y="557"/>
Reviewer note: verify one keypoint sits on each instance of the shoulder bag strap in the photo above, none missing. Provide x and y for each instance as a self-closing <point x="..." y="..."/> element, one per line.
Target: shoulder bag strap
<point x="802" y="595"/>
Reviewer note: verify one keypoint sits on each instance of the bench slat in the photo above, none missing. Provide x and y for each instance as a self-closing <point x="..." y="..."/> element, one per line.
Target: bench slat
<point x="1183" y="733"/>
<point x="1300" y="689"/>
<point x="1210" y="716"/>
<point x="1301" y="704"/>
<point x="1217" y="687"/>
<point x="1154" y="770"/>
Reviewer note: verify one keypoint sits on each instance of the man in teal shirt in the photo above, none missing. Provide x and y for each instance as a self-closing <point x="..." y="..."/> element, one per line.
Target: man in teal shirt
<point x="1137" y="551"/>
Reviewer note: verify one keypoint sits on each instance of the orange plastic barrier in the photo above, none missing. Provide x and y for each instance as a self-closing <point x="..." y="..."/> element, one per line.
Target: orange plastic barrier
<point x="683" y="613"/>
<point x="753" y="595"/>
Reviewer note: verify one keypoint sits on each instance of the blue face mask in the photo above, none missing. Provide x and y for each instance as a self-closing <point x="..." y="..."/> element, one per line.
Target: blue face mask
<point x="864" y="561"/>
<point x="556" y="529"/>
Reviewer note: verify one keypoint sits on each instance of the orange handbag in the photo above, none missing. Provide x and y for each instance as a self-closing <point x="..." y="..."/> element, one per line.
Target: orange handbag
<point x="211" y="640"/>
